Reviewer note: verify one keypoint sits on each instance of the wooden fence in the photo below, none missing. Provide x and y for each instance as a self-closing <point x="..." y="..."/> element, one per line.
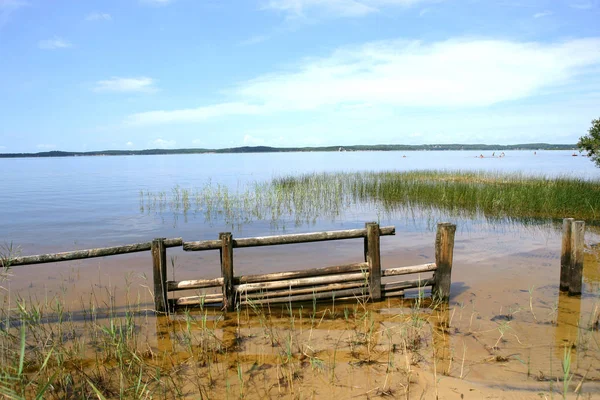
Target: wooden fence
<point x="362" y="279"/>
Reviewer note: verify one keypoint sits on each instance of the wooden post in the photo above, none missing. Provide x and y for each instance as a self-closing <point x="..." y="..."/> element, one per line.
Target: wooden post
<point x="577" y="240"/>
<point x="227" y="270"/>
<point x="159" y="261"/>
<point x="565" y="255"/>
<point x="444" y="252"/>
<point x="373" y="260"/>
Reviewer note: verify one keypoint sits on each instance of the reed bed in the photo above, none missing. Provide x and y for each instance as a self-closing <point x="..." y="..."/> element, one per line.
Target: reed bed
<point x="304" y="199"/>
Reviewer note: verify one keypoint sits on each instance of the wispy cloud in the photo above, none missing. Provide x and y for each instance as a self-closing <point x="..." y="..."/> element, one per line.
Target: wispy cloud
<point x="46" y="146"/>
<point x="54" y="44"/>
<point x="126" y="85"/>
<point x="582" y="5"/>
<point x="253" y="141"/>
<point x="97" y="16"/>
<point x="8" y="7"/>
<point x="337" y="8"/>
<point x="459" y="73"/>
<point x="542" y="14"/>
<point x="197" y="142"/>
<point x="162" y="144"/>
<point x="129" y="144"/>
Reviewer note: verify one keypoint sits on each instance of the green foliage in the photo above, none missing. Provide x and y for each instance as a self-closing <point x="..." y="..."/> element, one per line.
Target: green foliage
<point x="591" y="142"/>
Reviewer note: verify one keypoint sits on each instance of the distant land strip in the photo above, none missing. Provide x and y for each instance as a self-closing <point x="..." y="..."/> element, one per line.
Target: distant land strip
<point x="267" y="149"/>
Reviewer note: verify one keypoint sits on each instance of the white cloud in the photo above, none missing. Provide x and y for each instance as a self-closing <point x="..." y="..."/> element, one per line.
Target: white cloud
<point x="253" y="141"/>
<point x="197" y="142"/>
<point x="254" y="40"/>
<point x="451" y="74"/>
<point x="193" y="114"/>
<point x="584" y="5"/>
<point x="7" y="7"/>
<point x="2" y="147"/>
<point x="163" y="144"/>
<point x="125" y="85"/>
<point x="542" y="14"/>
<point x="129" y="144"/>
<point x="46" y="146"/>
<point x="97" y="16"/>
<point x="54" y="43"/>
<point x="339" y="8"/>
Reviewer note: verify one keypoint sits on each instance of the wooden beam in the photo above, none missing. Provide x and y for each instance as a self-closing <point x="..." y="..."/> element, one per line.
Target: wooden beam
<point x="290" y="283"/>
<point x="90" y="253"/>
<point x="287" y="239"/>
<point x="415" y="283"/>
<point x="374" y="260"/>
<point x="413" y="269"/>
<point x="277" y="276"/>
<point x="197" y="300"/>
<point x="159" y="262"/>
<point x="227" y="270"/>
<point x="577" y="244"/>
<point x="194" y="284"/>
<point x="308" y="290"/>
<point x="565" y="255"/>
<point x="444" y="252"/>
<point x="338" y="294"/>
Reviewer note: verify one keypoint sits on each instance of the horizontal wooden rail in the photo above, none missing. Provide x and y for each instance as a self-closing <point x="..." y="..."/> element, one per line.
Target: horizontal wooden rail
<point x="416" y="283"/>
<point x="197" y="300"/>
<point x="90" y="253"/>
<point x="277" y="276"/>
<point x="414" y="269"/>
<point x="335" y="294"/>
<point x="287" y="239"/>
<point x="249" y="287"/>
<point x="307" y="290"/>
<point x="194" y="284"/>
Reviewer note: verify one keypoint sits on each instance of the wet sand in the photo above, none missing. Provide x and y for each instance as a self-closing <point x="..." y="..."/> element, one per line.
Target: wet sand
<point x="503" y="336"/>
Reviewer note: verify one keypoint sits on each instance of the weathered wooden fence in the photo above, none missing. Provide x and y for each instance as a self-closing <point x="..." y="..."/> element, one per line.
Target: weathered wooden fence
<point x="571" y="258"/>
<point x="362" y="279"/>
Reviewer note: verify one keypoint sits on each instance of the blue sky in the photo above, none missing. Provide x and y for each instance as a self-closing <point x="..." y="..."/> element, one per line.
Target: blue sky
<point x="137" y="74"/>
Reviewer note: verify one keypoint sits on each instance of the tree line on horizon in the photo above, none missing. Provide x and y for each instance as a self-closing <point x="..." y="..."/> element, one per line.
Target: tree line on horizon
<point x="268" y="149"/>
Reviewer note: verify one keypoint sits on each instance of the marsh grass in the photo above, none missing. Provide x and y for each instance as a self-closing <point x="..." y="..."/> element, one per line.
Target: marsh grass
<point x="304" y="199"/>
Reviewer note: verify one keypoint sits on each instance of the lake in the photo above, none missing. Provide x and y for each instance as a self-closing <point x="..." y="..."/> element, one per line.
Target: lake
<point x="504" y="303"/>
<point x="59" y="204"/>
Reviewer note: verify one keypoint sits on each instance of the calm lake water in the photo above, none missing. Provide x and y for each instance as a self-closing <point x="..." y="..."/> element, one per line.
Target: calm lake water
<point x="59" y="204"/>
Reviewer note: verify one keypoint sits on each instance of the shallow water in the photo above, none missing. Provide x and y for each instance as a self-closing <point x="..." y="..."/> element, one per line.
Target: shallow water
<point x="508" y="324"/>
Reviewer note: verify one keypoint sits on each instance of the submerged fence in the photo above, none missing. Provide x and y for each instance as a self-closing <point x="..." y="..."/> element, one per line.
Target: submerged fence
<point x="358" y="280"/>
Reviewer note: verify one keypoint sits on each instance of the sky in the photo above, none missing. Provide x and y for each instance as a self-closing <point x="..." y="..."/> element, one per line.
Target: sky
<point x="143" y="74"/>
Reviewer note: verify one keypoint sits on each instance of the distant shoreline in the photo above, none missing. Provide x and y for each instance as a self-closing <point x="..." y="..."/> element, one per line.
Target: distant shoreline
<point x="267" y="149"/>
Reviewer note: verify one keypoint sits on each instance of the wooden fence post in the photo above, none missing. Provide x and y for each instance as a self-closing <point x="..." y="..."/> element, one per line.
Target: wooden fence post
<point x="444" y="252"/>
<point x="373" y="259"/>
<point x="565" y="255"/>
<point x="577" y="240"/>
<point x="227" y="270"/>
<point x="159" y="261"/>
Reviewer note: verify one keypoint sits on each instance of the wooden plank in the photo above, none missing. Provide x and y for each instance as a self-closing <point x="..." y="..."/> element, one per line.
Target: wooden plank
<point x="194" y="284"/>
<point x="565" y="255"/>
<point x="308" y="297"/>
<point x="415" y="283"/>
<point x="90" y="253"/>
<point x="287" y="239"/>
<point x="393" y="293"/>
<point x="577" y="243"/>
<point x="444" y="252"/>
<point x="413" y="269"/>
<point x="374" y="261"/>
<point x="159" y="262"/>
<point x="314" y="289"/>
<point x="277" y="276"/>
<point x="197" y="300"/>
<point x="227" y="270"/>
<point x="289" y="283"/>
